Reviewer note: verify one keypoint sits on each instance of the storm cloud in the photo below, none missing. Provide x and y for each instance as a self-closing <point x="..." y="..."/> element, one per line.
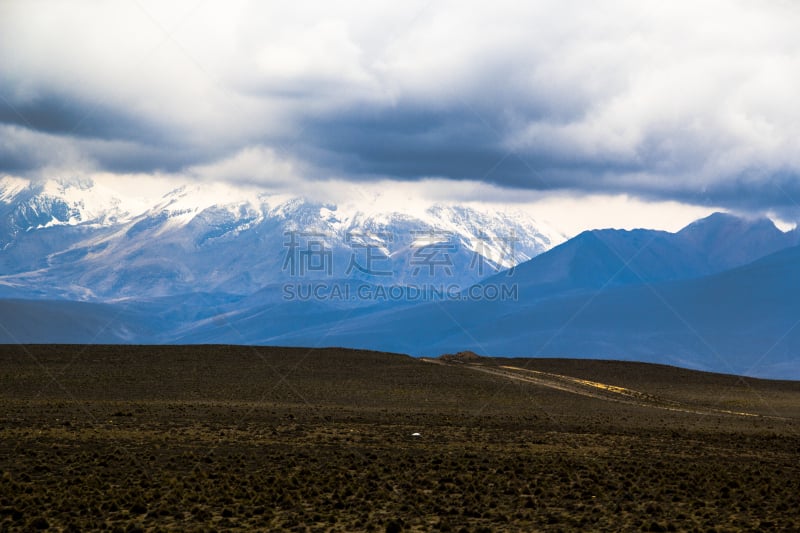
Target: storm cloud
<point x="686" y="101"/>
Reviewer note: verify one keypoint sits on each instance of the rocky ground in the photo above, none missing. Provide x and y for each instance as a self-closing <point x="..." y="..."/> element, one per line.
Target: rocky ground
<point x="125" y="438"/>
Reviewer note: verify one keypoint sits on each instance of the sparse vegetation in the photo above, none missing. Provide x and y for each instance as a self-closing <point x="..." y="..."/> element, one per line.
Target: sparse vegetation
<point x="195" y="438"/>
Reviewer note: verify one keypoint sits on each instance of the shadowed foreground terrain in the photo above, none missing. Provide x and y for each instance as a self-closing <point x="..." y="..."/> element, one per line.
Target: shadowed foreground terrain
<point x="216" y="437"/>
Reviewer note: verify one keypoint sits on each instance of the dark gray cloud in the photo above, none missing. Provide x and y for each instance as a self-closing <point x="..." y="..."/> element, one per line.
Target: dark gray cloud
<point x="109" y="136"/>
<point x="17" y="162"/>
<point x="64" y="115"/>
<point x="459" y="143"/>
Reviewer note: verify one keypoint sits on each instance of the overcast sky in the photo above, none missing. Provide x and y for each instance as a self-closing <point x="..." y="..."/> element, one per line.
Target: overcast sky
<point x="659" y="109"/>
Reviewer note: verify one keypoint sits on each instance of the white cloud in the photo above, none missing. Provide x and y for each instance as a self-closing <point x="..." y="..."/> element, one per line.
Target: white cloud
<point x="571" y="215"/>
<point x="251" y="165"/>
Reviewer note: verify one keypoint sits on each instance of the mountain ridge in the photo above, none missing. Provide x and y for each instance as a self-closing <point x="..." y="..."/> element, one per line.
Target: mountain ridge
<point x="227" y="266"/>
<point x="60" y="244"/>
<point x="609" y="257"/>
<point x="742" y="321"/>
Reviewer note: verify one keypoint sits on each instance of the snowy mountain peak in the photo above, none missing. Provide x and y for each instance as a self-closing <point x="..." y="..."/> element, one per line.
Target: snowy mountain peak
<point x="10" y="187"/>
<point x="63" y="201"/>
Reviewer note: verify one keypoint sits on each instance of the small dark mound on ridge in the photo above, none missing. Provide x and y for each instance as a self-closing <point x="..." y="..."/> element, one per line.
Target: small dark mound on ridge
<point x="461" y="357"/>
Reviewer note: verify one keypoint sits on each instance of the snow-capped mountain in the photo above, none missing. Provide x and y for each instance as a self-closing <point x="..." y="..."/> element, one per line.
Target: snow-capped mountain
<point x="101" y="241"/>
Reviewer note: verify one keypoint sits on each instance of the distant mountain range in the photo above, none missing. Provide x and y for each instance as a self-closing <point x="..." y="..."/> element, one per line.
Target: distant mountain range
<point x="722" y="294"/>
<point x="745" y="320"/>
<point x="608" y="258"/>
<point x="85" y="241"/>
<point x="631" y="295"/>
